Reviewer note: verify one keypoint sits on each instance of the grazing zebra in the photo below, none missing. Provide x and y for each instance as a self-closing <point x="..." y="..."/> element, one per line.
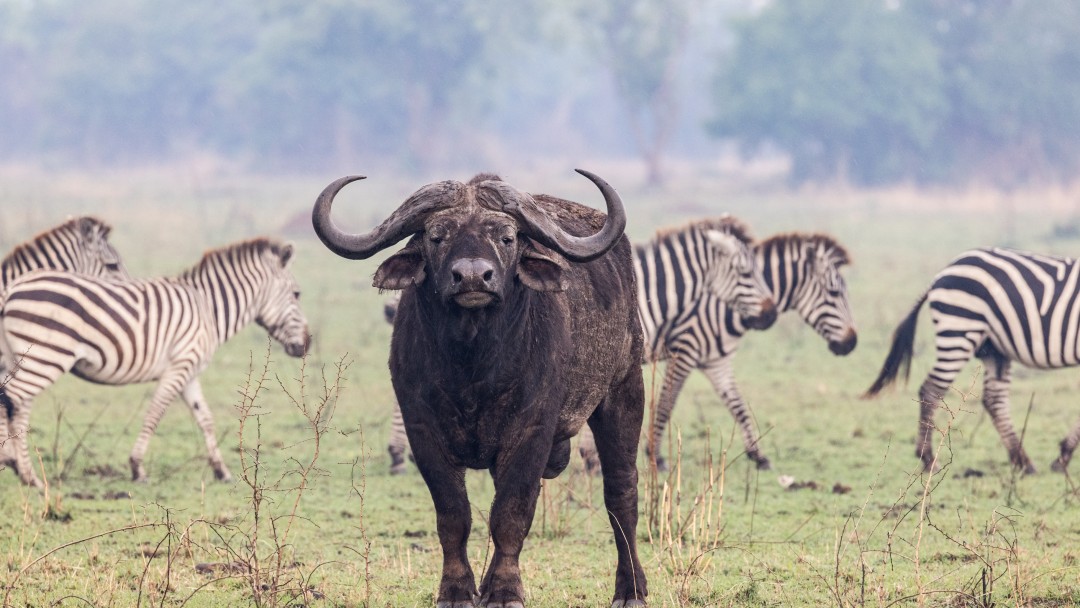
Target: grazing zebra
<point x="677" y="273"/>
<point x="1000" y="306"/>
<point x="167" y="329"/>
<point x="802" y="272"/>
<point x="78" y="245"/>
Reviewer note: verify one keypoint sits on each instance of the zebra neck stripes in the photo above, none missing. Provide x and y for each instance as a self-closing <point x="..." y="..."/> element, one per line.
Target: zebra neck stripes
<point x="78" y="245"/>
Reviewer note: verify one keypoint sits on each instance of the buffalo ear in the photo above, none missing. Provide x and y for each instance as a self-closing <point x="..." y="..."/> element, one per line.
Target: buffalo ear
<point x="540" y="272"/>
<point x="403" y="269"/>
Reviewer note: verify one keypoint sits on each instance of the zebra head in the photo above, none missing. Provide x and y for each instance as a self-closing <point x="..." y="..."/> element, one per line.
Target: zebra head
<point x="100" y="257"/>
<point x="736" y="278"/>
<point x="278" y="307"/>
<point x="823" y="303"/>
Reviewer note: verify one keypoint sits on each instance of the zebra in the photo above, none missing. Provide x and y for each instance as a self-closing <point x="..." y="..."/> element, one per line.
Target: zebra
<point x="677" y="273"/>
<point x="998" y="305"/>
<point x="802" y="272"/>
<point x="166" y="329"/>
<point x="78" y="245"/>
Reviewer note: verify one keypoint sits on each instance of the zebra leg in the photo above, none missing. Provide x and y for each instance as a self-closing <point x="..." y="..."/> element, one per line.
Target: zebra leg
<point x="166" y="391"/>
<point x="1068" y="446"/>
<point x="19" y="427"/>
<point x="721" y="374"/>
<point x="587" y="449"/>
<point x="678" y="368"/>
<point x="996" y="401"/>
<point x="954" y="350"/>
<point x="193" y="396"/>
<point x="398" y="445"/>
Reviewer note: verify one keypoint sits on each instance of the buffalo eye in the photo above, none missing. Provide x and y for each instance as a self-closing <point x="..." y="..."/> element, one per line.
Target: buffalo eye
<point x="508" y="240"/>
<point x="437" y="234"/>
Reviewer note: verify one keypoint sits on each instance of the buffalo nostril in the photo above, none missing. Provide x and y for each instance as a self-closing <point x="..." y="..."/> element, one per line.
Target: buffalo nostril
<point x="488" y="275"/>
<point x="456" y="276"/>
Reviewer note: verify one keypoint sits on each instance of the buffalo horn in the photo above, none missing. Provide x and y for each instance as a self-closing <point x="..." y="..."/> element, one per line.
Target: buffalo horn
<point x="407" y="220"/>
<point x="575" y="248"/>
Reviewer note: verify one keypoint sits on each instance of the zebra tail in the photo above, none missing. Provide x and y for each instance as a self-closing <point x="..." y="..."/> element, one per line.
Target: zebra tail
<point x="899" y="357"/>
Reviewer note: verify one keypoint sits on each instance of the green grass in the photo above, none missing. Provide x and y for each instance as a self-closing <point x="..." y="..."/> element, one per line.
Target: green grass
<point x="356" y="536"/>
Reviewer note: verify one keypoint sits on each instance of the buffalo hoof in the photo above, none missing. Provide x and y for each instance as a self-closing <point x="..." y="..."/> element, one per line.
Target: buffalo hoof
<point x="455" y="604"/>
<point x="634" y="603"/>
<point x="510" y="604"/>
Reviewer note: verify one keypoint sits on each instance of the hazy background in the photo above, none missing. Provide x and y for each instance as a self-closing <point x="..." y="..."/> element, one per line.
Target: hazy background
<point x="860" y="92"/>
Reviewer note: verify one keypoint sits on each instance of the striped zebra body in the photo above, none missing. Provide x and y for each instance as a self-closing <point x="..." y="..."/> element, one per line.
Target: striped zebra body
<point x="708" y="259"/>
<point x="1000" y="306"/>
<point x="79" y="245"/>
<point x="802" y="273"/>
<point x="164" y="330"/>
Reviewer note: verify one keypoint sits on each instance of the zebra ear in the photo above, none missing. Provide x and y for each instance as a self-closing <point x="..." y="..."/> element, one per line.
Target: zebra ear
<point x="726" y="243"/>
<point x="403" y="269"/>
<point x="286" y="253"/>
<point x="90" y="229"/>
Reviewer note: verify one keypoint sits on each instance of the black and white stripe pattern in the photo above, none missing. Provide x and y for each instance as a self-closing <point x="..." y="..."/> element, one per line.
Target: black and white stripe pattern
<point x="678" y="274"/>
<point x="802" y="272"/>
<point x="1000" y="306"/>
<point x="78" y="245"/>
<point x="681" y="271"/>
<point x="123" y="332"/>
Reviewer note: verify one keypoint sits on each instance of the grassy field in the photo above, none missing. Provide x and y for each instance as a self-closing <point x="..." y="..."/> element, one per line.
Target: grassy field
<point x="315" y="519"/>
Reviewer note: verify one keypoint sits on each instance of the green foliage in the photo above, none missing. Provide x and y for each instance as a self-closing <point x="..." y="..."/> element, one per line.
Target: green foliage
<point x="847" y="88"/>
<point x="921" y="90"/>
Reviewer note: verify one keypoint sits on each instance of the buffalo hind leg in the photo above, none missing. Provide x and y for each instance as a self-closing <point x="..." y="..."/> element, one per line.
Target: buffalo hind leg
<point x="616" y="425"/>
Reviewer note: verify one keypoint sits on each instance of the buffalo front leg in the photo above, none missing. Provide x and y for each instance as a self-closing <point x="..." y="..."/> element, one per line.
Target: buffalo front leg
<point x="193" y="396"/>
<point x="167" y="389"/>
<point x="517" y="474"/>
<point x="722" y="376"/>
<point x="616" y="425"/>
<point x="453" y="519"/>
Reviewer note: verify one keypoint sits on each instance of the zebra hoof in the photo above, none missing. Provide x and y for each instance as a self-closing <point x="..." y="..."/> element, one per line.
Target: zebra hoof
<point x="399" y="469"/>
<point x="1059" y="465"/>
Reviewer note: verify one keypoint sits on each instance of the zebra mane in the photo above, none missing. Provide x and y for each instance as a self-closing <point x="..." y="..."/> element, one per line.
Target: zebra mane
<point x="836" y="251"/>
<point x="253" y="247"/>
<point x="724" y="223"/>
<point x="71" y="225"/>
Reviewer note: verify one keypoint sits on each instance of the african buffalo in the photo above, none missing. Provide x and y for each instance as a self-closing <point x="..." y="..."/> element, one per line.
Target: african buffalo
<point x="517" y="325"/>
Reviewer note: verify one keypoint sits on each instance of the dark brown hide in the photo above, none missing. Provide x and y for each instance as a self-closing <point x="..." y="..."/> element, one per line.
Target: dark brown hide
<point x="505" y="386"/>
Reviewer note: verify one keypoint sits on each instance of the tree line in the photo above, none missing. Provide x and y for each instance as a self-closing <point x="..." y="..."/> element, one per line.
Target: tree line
<point x="865" y="91"/>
